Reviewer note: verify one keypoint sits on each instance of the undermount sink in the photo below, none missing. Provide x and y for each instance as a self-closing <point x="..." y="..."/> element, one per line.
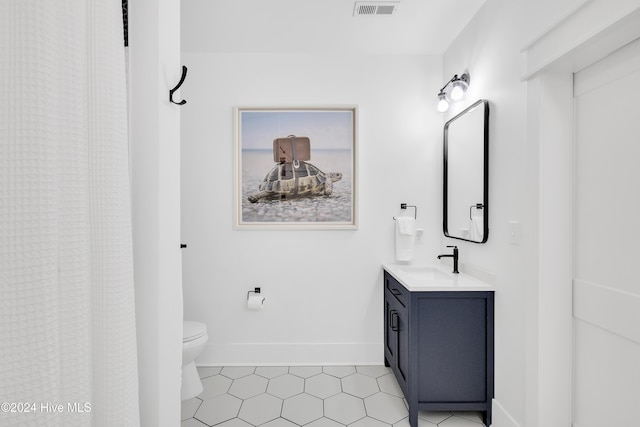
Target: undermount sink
<point x="425" y="274"/>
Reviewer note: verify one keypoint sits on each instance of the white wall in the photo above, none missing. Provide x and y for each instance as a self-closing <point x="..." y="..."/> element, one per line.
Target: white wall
<point x="154" y="67"/>
<point x="323" y="289"/>
<point x="541" y="15"/>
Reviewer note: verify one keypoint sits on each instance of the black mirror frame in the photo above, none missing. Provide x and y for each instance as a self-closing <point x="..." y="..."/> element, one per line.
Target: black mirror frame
<point x="485" y="174"/>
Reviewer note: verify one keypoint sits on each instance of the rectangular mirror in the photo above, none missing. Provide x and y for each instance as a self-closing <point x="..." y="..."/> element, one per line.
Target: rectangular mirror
<point x="466" y="174"/>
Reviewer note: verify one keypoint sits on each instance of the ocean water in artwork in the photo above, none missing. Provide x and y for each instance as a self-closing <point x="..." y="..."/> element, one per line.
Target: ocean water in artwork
<point x="335" y="208"/>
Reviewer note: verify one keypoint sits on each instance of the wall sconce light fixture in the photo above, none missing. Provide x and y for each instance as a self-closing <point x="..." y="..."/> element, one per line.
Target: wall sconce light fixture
<point x="458" y="85"/>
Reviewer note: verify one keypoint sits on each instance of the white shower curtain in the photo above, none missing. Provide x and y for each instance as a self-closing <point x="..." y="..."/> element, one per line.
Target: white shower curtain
<point x="67" y="320"/>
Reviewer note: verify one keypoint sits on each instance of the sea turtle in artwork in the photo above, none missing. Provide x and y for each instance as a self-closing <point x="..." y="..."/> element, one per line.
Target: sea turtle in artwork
<point x="295" y="179"/>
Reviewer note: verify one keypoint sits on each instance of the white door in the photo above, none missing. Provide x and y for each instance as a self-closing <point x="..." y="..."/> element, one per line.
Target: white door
<point x="606" y="284"/>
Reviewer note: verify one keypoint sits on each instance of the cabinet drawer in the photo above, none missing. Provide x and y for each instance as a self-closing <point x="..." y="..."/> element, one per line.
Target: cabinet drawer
<point x="396" y="289"/>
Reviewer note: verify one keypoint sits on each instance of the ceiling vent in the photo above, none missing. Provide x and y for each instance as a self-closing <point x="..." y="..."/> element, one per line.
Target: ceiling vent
<point x="367" y="8"/>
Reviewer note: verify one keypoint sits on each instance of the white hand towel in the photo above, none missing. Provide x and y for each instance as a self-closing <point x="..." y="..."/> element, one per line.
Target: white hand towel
<point x="405" y="238"/>
<point x="406" y="225"/>
<point x="477" y="227"/>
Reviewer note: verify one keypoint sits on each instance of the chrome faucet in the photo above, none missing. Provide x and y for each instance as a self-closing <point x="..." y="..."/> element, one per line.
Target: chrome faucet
<point x="454" y="256"/>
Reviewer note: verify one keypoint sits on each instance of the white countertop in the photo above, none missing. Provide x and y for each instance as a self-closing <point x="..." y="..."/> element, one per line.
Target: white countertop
<point x="433" y="278"/>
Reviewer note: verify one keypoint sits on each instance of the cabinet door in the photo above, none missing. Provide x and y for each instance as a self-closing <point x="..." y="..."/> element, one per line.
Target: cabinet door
<point x="390" y="339"/>
<point x="396" y="338"/>
<point x="402" y="345"/>
<point x="452" y="348"/>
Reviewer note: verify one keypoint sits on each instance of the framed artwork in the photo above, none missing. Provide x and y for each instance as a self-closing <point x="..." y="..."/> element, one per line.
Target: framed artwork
<point x="296" y="168"/>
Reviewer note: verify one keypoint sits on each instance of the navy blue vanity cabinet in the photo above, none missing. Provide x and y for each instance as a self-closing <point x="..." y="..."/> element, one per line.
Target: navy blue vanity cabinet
<point x="396" y="337"/>
<point x="439" y="345"/>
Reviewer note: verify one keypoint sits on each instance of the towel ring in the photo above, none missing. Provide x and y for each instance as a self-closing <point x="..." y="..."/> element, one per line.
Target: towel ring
<point x="476" y="206"/>
<point x="404" y="206"/>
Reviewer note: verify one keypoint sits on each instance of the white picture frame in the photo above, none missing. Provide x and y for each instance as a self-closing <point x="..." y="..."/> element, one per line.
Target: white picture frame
<point x="284" y="194"/>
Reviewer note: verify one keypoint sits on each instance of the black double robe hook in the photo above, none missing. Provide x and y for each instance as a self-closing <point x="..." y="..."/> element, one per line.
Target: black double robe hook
<point x="184" y="75"/>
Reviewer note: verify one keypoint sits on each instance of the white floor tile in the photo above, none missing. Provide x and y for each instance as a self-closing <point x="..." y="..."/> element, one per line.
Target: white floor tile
<point x="235" y="422"/>
<point x="285" y="386"/>
<point x="421" y="423"/>
<point x="339" y="371"/>
<point x="310" y="396"/>
<point x="271" y="371"/>
<point x="302" y="409"/>
<point x="249" y="386"/>
<point x="305" y="371"/>
<point x="405" y="423"/>
<point x="324" y="422"/>
<point x="385" y="407"/>
<point x="189" y="408"/>
<point x="472" y="416"/>
<point x="368" y="422"/>
<point x="192" y="422"/>
<point x="214" y="386"/>
<point x="389" y="384"/>
<point x="235" y="372"/>
<point x="344" y="408"/>
<point x="360" y="385"/>
<point x="207" y="371"/>
<point x="434" y="417"/>
<point x="455" y="421"/>
<point x="373" y="370"/>
<point x="218" y="409"/>
<point x="322" y="386"/>
<point x="279" y="422"/>
<point x="260" y="409"/>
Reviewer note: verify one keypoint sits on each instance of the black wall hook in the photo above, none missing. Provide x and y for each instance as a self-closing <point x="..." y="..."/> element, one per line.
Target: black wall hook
<point x="184" y="75"/>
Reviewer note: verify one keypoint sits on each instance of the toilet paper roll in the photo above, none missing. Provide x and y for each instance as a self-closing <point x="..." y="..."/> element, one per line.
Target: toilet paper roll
<point x="255" y="301"/>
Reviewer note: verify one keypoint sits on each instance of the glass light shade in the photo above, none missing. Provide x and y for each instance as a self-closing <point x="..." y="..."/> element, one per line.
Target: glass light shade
<point x="458" y="88"/>
<point x="443" y="104"/>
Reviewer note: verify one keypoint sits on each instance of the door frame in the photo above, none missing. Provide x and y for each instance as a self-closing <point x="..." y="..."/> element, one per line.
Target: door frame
<point x="567" y="47"/>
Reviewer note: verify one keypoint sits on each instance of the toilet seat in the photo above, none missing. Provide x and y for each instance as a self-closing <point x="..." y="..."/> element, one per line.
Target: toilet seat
<point x="192" y="330"/>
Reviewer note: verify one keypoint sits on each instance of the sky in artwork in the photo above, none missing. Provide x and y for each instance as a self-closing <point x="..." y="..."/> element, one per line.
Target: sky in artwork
<point x="327" y="130"/>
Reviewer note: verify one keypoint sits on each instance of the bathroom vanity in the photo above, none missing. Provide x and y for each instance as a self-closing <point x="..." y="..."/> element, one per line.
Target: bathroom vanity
<point x="438" y="339"/>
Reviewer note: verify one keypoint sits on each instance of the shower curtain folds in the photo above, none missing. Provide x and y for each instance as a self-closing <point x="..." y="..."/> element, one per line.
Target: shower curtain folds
<point x="67" y="320"/>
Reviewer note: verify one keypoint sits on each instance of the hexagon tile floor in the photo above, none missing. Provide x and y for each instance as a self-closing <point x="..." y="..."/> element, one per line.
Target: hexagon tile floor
<point x="310" y="396"/>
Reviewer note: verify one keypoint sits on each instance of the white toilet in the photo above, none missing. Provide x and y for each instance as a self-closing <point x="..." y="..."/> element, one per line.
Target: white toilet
<point x="194" y="338"/>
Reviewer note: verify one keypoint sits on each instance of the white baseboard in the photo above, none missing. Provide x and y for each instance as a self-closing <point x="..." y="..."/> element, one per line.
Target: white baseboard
<point x="291" y="354"/>
<point x="500" y="417"/>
